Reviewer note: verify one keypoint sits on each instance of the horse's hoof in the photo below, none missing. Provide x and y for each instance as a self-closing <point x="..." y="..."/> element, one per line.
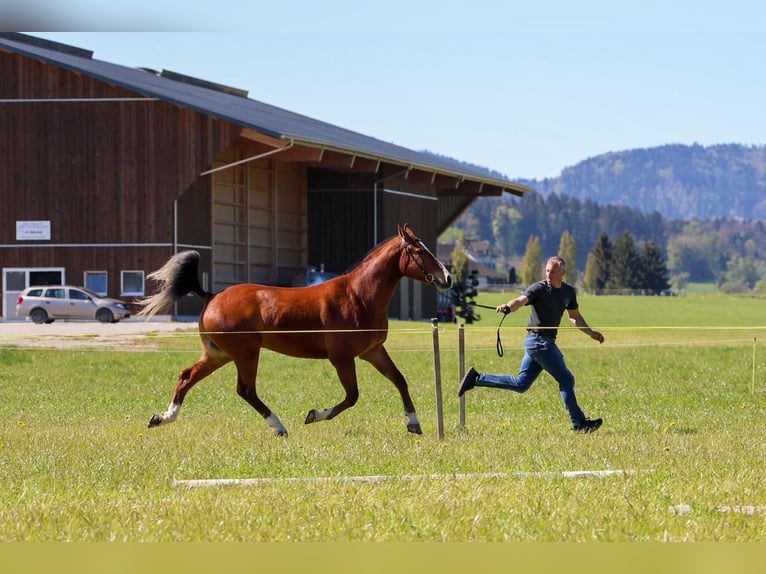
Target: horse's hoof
<point x="155" y="421"/>
<point x="311" y="417"/>
<point x="414" y="428"/>
<point x="278" y="432"/>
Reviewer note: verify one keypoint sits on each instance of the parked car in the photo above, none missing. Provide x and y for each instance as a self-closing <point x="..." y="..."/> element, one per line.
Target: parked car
<point x="46" y="304"/>
<point x="312" y="276"/>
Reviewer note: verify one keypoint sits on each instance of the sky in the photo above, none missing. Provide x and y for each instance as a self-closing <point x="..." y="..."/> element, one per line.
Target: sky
<point x="522" y="88"/>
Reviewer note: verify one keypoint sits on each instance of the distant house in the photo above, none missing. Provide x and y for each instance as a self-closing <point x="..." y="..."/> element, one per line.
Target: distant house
<point x="108" y="170"/>
<point x="480" y="248"/>
<point x="480" y="261"/>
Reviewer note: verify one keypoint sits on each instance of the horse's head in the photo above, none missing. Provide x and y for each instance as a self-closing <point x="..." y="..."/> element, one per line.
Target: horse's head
<point x="419" y="263"/>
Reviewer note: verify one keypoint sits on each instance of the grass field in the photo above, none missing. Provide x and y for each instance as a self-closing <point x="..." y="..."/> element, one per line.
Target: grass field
<point x="680" y="383"/>
<point x="700" y="288"/>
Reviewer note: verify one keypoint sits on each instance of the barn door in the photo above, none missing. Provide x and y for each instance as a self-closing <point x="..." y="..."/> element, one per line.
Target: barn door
<point x="259" y="224"/>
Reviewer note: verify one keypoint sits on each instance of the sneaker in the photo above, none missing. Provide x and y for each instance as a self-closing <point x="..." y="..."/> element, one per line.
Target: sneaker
<point x="588" y="425"/>
<point x="468" y="382"/>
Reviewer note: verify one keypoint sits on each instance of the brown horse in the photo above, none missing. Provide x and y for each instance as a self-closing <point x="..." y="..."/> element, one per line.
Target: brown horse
<point x="341" y="319"/>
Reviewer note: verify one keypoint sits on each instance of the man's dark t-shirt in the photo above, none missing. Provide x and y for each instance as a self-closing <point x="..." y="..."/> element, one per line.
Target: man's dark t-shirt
<point x="548" y="306"/>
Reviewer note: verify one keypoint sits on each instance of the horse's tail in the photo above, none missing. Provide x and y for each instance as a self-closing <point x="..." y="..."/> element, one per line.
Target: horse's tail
<point x="177" y="277"/>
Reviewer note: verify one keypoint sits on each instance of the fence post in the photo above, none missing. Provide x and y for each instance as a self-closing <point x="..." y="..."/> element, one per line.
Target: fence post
<point x="461" y="367"/>
<point x="438" y="378"/>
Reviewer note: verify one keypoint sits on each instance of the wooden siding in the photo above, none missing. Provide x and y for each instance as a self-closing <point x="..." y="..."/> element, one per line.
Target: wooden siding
<point x="291" y="221"/>
<point x="105" y="174"/>
<point x="259" y="221"/>
<point x="450" y="207"/>
<point x="120" y="184"/>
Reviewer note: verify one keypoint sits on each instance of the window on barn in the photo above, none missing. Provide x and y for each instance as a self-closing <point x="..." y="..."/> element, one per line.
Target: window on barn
<point x="97" y="282"/>
<point x="132" y="283"/>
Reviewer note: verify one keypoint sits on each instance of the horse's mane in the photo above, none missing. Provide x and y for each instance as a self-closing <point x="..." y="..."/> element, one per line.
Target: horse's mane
<point x="362" y="259"/>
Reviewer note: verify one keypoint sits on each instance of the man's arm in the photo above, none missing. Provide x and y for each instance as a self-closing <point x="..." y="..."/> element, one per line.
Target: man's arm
<point x="579" y="321"/>
<point x="513" y="304"/>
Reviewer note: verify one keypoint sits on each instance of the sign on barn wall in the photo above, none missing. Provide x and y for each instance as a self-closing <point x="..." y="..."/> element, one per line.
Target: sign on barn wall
<point x="33" y="230"/>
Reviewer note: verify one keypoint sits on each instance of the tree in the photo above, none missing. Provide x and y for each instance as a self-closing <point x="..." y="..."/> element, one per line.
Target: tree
<point x="450" y="235"/>
<point x="741" y="276"/>
<point x="459" y="260"/>
<point x="688" y="253"/>
<point x="568" y="252"/>
<point x="591" y="277"/>
<point x="505" y="229"/>
<point x="653" y="270"/>
<point x="625" y="270"/>
<point x="470" y="224"/>
<point x="602" y="261"/>
<point x="532" y="264"/>
<point x="679" y="281"/>
<point x="694" y="251"/>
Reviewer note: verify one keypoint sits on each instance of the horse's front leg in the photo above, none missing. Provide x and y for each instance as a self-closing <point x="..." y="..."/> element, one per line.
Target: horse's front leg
<point x="379" y="358"/>
<point x="347" y="374"/>
<point x="247" y="370"/>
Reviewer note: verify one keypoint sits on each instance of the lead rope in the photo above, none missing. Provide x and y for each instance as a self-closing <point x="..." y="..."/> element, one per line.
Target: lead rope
<point x="499" y="343"/>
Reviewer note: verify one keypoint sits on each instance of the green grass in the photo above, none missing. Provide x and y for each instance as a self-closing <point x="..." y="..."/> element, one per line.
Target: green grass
<point x="700" y="288"/>
<point x="674" y="383"/>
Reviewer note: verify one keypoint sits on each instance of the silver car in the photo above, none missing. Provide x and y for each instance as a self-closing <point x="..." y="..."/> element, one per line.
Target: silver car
<point x="46" y="304"/>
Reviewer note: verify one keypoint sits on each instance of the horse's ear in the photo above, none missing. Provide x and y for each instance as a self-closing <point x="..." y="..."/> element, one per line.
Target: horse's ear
<point x="401" y="229"/>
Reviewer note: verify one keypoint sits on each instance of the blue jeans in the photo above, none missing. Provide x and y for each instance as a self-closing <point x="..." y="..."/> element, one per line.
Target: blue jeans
<point x="541" y="353"/>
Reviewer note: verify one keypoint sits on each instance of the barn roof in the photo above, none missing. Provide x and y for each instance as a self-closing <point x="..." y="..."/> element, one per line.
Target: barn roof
<point x="232" y="105"/>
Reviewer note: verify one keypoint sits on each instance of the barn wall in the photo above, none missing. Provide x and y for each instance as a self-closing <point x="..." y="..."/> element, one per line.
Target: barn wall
<point x="120" y="184"/>
<point x="259" y="220"/>
<point x="105" y="174"/>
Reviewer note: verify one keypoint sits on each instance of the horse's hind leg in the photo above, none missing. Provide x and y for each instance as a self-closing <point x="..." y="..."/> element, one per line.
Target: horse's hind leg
<point x="347" y="374"/>
<point x="247" y="370"/>
<point x="380" y="359"/>
<point x="190" y="376"/>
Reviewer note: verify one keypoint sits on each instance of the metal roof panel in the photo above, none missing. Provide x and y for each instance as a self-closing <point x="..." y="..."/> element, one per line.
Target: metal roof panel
<point x="246" y="112"/>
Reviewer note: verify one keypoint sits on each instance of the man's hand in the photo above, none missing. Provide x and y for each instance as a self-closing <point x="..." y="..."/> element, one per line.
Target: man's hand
<point x="595" y="335"/>
<point x="513" y="304"/>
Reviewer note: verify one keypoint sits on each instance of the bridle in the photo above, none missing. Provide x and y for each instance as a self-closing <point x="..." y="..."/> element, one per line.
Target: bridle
<point x="429" y="278"/>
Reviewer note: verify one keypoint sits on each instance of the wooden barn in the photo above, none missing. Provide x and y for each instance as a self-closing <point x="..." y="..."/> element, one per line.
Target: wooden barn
<point x="108" y="170"/>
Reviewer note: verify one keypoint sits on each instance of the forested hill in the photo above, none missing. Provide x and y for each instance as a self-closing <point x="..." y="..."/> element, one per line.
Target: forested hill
<point x="678" y="181"/>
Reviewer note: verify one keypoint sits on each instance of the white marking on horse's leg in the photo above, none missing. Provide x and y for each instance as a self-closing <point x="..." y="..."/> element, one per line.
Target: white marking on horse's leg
<point x="413" y="424"/>
<point x="314" y="415"/>
<point x="323" y="414"/>
<point x="273" y="421"/>
<point x="169" y="415"/>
